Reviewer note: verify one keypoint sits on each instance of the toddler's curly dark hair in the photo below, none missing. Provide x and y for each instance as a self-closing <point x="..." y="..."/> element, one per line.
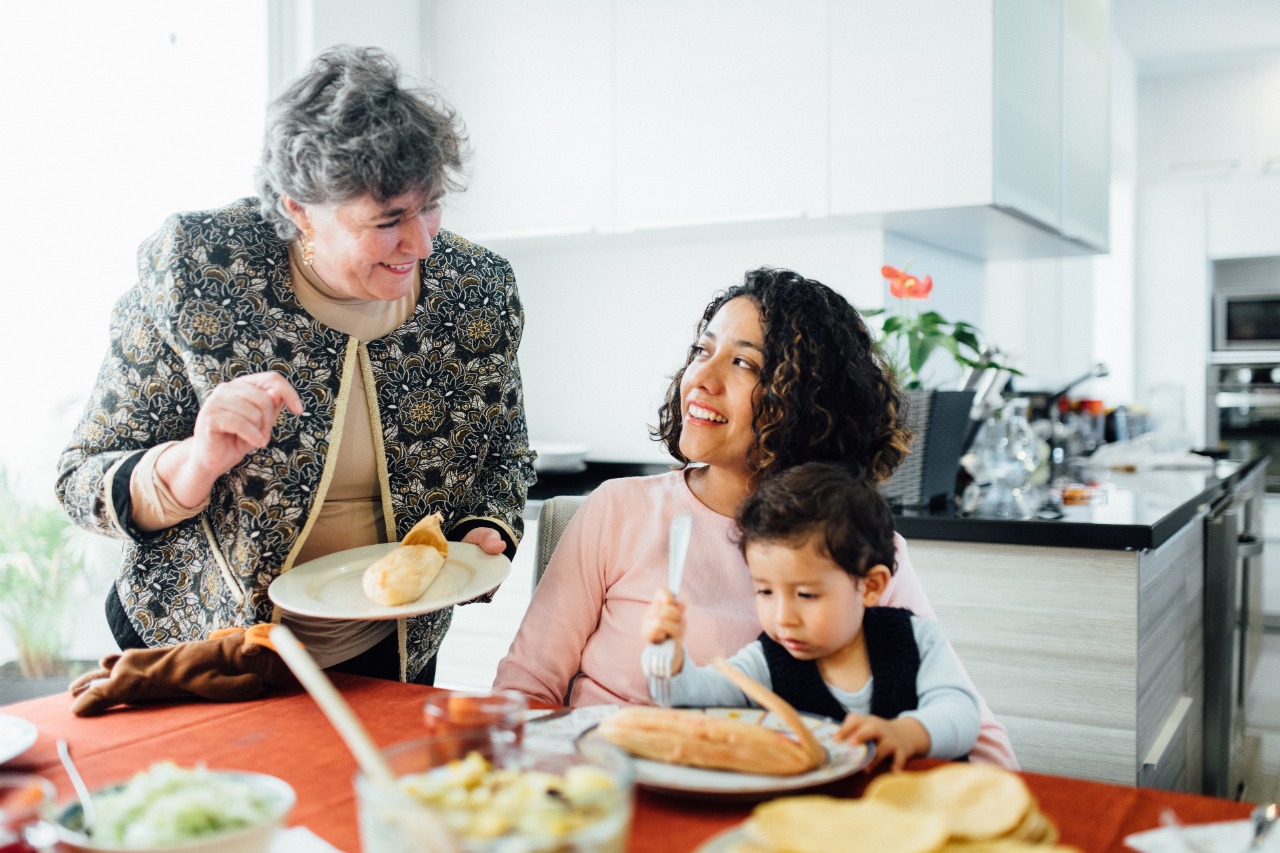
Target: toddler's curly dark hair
<point x="838" y="506"/>
<point x="825" y="393"/>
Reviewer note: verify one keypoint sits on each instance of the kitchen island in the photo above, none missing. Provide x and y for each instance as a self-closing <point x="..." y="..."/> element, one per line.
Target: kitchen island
<point x="1086" y="634"/>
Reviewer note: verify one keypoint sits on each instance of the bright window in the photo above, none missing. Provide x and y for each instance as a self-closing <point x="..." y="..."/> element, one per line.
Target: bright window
<point x="115" y="115"/>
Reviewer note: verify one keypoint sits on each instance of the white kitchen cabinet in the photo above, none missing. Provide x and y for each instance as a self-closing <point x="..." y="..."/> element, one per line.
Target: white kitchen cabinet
<point x="1027" y="108"/>
<point x="910" y="104"/>
<point x="1195" y="125"/>
<point x="1244" y="217"/>
<point x="1086" y="121"/>
<point x="721" y="111"/>
<point x="1267" y="84"/>
<point x="956" y="122"/>
<point x="1217" y="123"/>
<point x="534" y="84"/>
<point x="978" y="126"/>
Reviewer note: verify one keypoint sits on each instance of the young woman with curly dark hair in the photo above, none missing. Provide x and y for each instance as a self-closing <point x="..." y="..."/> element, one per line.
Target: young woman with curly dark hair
<point x="782" y="372"/>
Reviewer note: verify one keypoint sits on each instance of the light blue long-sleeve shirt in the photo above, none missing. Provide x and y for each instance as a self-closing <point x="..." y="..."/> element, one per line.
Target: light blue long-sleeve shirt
<point x="948" y="707"/>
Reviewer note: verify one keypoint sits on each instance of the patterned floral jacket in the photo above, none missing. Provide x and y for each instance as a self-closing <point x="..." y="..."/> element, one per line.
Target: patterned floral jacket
<point x="213" y="302"/>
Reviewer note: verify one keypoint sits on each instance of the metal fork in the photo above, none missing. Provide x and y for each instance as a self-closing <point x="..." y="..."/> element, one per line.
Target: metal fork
<point x="658" y="659"/>
<point x="1264" y="819"/>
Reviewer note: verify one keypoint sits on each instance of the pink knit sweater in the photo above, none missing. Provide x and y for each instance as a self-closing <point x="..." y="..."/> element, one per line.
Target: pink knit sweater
<point x="585" y="617"/>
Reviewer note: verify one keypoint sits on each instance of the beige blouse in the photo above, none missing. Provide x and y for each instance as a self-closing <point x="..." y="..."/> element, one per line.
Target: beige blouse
<point x="351" y="515"/>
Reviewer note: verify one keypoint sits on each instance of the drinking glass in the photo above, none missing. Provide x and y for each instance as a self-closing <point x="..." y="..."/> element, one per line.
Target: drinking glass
<point x="501" y="711"/>
<point x="22" y="798"/>
<point x="1008" y="455"/>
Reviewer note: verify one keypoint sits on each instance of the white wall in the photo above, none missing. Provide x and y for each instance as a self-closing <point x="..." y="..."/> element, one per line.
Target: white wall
<point x="136" y="113"/>
<point x="1057" y="317"/>
<point x="301" y="29"/>
<point x="1114" y="274"/>
<point x="1209" y="147"/>
<point x="118" y="115"/>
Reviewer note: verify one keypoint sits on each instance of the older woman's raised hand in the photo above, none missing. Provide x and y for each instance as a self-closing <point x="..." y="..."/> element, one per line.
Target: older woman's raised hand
<point x="236" y="419"/>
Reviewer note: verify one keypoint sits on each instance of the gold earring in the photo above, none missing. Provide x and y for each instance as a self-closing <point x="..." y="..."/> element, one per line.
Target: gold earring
<point x="308" y="247"/>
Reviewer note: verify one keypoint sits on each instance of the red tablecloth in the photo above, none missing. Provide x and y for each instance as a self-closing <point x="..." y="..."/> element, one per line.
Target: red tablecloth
<point x="287" y="736"/>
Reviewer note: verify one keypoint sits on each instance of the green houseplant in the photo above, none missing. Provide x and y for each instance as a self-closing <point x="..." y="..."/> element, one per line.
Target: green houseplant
<point x="909" y="339"/>
<point x="47" y="568"/>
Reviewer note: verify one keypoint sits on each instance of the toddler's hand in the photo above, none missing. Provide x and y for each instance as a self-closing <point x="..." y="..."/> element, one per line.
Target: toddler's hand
<point x="664" y="618"/>
<point x="900" y="739"/>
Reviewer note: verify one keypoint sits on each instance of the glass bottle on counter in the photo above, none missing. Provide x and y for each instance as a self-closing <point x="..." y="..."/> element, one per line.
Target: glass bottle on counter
<point x="1008" y="454"/>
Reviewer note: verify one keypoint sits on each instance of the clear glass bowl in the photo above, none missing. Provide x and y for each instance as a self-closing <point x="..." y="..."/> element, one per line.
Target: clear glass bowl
<point x="457" y="808"/>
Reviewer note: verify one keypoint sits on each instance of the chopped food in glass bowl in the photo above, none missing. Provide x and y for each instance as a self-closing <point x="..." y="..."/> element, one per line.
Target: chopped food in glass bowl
<point x="517" y="800"/>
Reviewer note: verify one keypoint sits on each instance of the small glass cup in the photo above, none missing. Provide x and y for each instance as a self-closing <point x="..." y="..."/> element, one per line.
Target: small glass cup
<point x="23" y="796"/>
<point x="459" y="711"/>
<point x="397" y="821"/>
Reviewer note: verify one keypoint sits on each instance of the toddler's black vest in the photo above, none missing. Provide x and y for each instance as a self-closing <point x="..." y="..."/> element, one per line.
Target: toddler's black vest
<point x="895" y="662"/>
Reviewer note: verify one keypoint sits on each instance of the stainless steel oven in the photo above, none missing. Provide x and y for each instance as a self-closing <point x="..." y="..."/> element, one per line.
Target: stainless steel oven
<point x="1243" y="400"/>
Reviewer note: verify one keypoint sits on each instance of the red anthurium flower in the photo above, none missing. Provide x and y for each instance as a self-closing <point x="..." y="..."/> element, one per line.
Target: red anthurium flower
<point x="904" y="286"/>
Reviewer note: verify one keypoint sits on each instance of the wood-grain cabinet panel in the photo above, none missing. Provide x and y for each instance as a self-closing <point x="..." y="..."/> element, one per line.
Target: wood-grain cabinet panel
<point x="1076" y="750"/>
<point x="1084" y="654"/>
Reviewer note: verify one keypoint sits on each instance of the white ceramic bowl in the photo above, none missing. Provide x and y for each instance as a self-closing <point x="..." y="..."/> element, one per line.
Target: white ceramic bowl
<point x="559" y="458"/>
<point x="249" y="839"/>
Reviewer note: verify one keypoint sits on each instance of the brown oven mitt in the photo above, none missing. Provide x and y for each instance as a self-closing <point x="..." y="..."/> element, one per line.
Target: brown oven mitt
<point x="233" y="665"/>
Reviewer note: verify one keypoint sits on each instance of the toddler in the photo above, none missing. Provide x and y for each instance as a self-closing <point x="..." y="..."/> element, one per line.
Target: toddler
<point x="818" y="540"/>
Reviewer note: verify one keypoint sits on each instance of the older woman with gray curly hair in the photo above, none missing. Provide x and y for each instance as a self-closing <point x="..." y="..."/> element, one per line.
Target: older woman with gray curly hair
<point x="306" y="372"/>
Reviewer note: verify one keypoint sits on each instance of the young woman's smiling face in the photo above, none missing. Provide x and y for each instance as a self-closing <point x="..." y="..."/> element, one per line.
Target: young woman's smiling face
<point x="720" y="387"/>
<point x="365" y="249"/>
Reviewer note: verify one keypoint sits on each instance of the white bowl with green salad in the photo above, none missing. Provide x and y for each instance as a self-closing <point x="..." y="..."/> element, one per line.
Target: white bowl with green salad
<point x="171" y="809"/>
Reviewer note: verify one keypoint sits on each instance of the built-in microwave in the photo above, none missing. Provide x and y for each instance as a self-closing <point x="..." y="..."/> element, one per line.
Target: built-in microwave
<point x="1246" y="319"/>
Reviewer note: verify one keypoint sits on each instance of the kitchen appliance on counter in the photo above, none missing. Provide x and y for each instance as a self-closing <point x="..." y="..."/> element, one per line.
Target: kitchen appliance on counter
<point x="1232" y="630"/>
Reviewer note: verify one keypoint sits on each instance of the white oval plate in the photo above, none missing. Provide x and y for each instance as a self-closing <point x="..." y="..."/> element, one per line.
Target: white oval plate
<point x="16" y="736"/>
<point x="330" y="587"/>
<point x="843" y="760"/>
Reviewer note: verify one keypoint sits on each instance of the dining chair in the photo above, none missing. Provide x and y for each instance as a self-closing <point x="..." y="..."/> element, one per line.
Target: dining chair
<point x="552" y="520"/>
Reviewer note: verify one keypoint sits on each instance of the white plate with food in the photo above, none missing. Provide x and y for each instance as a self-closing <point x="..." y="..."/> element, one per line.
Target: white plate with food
<point x="331" y="587"/>
<point x="16" y="736"/>
<point x="843" y="759"/>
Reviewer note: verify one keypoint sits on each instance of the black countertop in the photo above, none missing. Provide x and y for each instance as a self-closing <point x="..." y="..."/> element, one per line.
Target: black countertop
<point x="582" y="482"/>
<point x="1129" y="512"/>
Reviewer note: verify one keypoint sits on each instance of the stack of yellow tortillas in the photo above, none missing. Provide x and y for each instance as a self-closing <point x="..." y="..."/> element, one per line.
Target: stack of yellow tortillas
<point x="954" y="807"/>
<point x="817" y="824"/>
<point x="980" y="803"/>
<point x="404" y="574"/>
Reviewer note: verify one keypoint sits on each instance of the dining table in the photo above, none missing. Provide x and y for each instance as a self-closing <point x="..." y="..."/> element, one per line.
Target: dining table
<point x="286" y="735"/>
